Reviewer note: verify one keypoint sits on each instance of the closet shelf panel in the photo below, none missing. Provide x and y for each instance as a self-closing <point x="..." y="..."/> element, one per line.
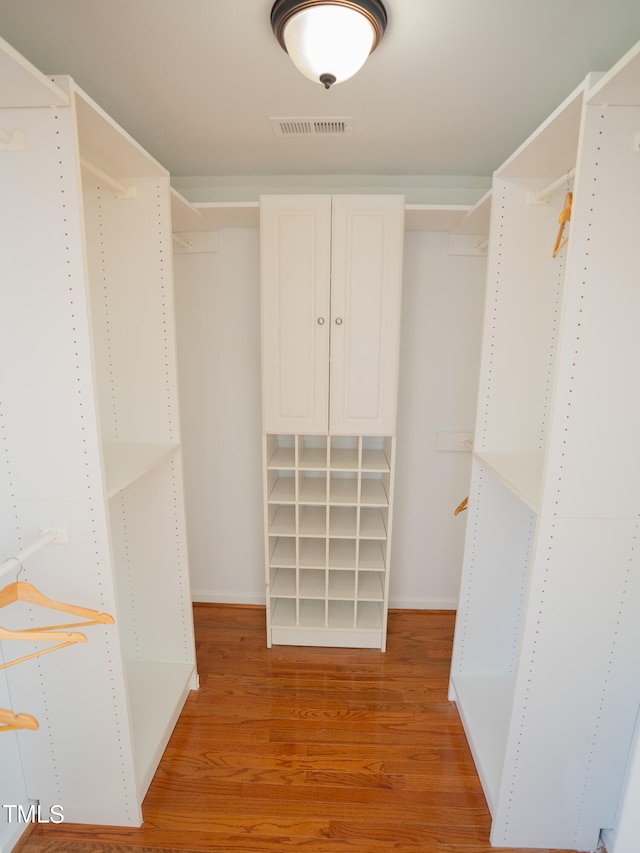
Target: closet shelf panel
<point x="519" y="472"/>
<point x="157" y="693"/>
<point x="283" y="458"/>
<point x="313" y="490"/>
<point x="484" y="704"/>
<point x="284" y="491"/>
<point x="313" y="553"/>
<point x="125" y="463"/>
<point x="312" y="584"/>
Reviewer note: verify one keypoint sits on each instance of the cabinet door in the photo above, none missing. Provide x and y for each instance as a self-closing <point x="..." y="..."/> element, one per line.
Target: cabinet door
<point x="368" y="237"/>
<point x="295" y="257"/>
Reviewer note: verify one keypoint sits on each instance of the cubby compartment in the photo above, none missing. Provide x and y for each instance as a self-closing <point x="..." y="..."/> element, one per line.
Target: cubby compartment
<point x="328" y="510"/>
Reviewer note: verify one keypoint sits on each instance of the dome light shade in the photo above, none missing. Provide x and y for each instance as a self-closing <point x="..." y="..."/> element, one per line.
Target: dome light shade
<point x="328" y="41"/>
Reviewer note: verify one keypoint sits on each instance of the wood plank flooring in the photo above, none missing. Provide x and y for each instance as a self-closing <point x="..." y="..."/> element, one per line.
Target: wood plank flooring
<point x="307" y="749"/>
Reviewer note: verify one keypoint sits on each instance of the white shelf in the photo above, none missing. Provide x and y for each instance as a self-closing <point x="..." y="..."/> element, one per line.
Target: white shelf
<point x="520" y="472"/>
<point x="125" y="463"/>
<point x="283" y="584"/>
<point x="370" y="615"/>
<point x="372" y="524"/>
<point x="283" y="458"/>
<point x="342" y="553"/>
<point x="284" y="553"/>
<point x="157" y="693"/>
<point x="327" y="542"/>
<point x="283" y="613"/>
<point x="284" y="522"/>
<point x="551" y="150"/>
<point x="371" y="556"/>
<point x="313" y="490"/>
<point x="313" y="553"/>
<point x="313" y="459"/>
<point x="484" y="704"/>
<point x="370" y="586"/>
<point x="311" y="613"/>
<point x="343" y="459"/>
<point x="621" y="84"/>
<point x="23" y="85"/>
<point x="312" y="584"/>
<point x="375" y="460"/>
<point x="208" y="216"/>
<point x="343" y="491"/>
<point x="190" y="217"/>
<point x="312" y="521"/>
<point x="342" y="585"/>
<point x="284" y="491"/>
<point x="433" y="217"/>
<point x="476" y="220"/>
<point x="373" y="493"/>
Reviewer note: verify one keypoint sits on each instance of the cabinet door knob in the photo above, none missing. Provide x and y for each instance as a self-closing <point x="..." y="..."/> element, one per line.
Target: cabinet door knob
<point x="321" y="321"/>
<point x="338" y="321"/>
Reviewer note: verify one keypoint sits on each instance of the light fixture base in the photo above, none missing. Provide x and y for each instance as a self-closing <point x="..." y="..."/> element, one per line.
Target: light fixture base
<point x="327" y="80"/>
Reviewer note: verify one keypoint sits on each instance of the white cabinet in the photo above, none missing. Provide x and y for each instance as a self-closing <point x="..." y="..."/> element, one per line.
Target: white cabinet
<point x="331" y="285"/>
<point x="91" y="445"/>
<point x="544" y="669"/>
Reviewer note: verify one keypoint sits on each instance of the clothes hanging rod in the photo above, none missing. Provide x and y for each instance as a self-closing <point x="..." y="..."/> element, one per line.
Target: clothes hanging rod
<point x="543" y="195"/>
<point x="47" y="536"/>
<point x="121" y="190"/>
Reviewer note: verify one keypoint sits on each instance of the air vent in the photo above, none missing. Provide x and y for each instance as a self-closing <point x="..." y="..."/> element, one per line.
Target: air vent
<point x="307" y="127"/>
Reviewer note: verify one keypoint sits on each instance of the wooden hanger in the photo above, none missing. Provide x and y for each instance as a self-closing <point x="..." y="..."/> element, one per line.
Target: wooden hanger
<point x="564" y="217"/>
<point x="9" y="721"/>
<point x="461" y="506"/>
<point x="22" y="591"/>
<point x="61" y="638"/>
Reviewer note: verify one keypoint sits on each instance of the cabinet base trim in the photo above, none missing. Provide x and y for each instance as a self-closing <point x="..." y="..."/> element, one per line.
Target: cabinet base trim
<point x="334" y="638"/>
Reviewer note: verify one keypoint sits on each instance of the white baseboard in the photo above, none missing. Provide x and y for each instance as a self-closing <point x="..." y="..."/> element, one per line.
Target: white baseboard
<point x="212" y="596"/>
<point x="423" y="603"/>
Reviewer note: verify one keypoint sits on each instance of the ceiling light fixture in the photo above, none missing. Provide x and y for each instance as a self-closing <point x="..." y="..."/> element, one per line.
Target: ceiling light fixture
<point x="328" y="40"/>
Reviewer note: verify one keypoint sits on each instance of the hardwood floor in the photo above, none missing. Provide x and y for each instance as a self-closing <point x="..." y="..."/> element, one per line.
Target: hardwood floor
<point x="307" y="749"/>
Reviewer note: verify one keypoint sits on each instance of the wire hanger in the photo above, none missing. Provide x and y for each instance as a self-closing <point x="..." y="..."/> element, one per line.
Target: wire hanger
<point x="23" y="591"/>
<point x="9" y="721"/>
<point x="61" y="638"/>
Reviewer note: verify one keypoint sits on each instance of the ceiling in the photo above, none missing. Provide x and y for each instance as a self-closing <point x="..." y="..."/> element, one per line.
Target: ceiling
<point x="454" y="87"/>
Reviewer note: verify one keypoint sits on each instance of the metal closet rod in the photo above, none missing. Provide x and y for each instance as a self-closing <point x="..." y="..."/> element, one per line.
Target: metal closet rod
<point x="47" y="536"/>
<point x="119" y="188"/>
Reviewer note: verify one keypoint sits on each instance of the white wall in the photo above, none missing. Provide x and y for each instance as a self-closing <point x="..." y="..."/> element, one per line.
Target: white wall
<point x="442" y="309"/>
<point x="218" y="328"/>
<point x="218" y="334"/>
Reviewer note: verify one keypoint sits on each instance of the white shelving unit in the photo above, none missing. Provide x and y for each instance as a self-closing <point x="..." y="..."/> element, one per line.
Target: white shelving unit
<point x="328" y="522"/>
<point x="544" y="671"/>
<point x="91" y="445"/>
<point x="331" y="288"/>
